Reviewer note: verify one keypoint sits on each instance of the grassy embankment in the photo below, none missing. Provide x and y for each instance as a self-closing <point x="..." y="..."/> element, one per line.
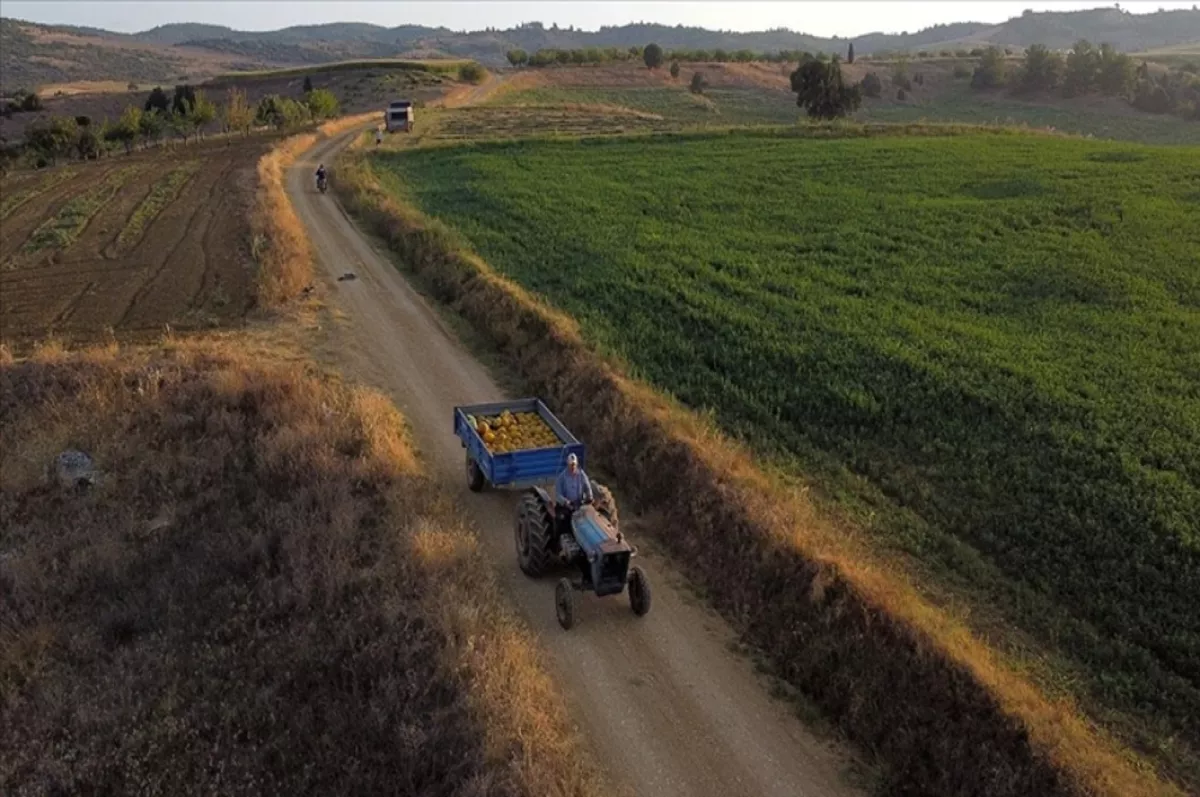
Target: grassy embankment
<point x="889" y="330"/>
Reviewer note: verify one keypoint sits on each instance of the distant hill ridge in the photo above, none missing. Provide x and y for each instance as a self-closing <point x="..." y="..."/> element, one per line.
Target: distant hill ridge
<point x="34" y="54"/>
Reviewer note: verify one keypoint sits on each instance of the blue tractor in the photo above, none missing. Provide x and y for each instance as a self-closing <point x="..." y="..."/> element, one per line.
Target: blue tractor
<point x="587" y="539"/>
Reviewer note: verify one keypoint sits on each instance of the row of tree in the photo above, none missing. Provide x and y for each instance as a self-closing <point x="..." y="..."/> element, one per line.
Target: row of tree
<point x="185" y="115"/>
<point x="1088" y="69"/>
<point x="602" y="55"/>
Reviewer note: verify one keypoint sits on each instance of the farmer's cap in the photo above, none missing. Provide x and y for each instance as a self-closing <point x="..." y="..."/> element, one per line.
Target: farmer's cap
<point x="572" y="459"/>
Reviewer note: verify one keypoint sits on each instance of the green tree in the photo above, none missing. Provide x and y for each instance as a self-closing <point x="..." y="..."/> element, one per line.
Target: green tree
<point x="87" y="144"/>
<point x="200" y="112"/>
<point x="1083" y="69"/>
<point x="991" y="72"/>
<point x="698" y="83"/>
<point x="126" y="129"/>
<point x="158" y="101"/>
<point x="1117" y="71"/>
<point x="675" y="69"/>
<point x="871" y="85"/>
<point x="151" y="126"/>
<point x="653" y="56"/>
<point x="1042" y="70"/>
<point x="820" y="88"/>
<point x="52" y="138"/>
<point x="322" y="104"/>
<point x="471" y="72"/>
<point x="850" y="54"/>
<point x="185" y="96"/>
<point x="236" y="115"/>
<point x="900" y="76"/>
<point x="517" y="57"/>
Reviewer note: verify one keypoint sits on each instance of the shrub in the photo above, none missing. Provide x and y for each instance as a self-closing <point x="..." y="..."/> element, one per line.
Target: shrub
<point x="961" y="72"/>
<point x="675" y="69"/>
<point x="88" y="144"/>
<point x="901" y="94"/>
<point x="157" y="101"/>
<point x="472" y="73"/>
<point x="872" y="86"/>
<point x="990" y="74"/>
<point x="322" y="103"/>
<point x="653" y="56"/>
<point x="699" y="83"/>
<point x="31" y="102"/>
<point x="820" y="88"/>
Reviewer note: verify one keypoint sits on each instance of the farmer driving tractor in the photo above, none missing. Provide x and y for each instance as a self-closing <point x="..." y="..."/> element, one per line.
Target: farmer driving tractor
<point x="572" y="489"/>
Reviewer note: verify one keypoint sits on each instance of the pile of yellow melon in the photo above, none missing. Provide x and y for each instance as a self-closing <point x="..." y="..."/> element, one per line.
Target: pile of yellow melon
<point x="514" y="432"/>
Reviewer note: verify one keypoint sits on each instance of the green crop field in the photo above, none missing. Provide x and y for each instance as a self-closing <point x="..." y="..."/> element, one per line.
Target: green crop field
<point x="986" y="346"/>
<point x="962" y="105"/>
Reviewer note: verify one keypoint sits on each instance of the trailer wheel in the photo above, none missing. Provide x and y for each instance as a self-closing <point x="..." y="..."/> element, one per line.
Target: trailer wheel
<point x="564" y="603"/>
<point x="639" y="592"/>
<point x="605" y="504"/>
<point x="475" y="478"/>
<point x="533" y="533"/>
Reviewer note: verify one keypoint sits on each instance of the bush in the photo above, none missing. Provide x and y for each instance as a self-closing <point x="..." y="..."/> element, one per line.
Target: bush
<point x="872" y="86"/>
<point x="675" y="69"/>
<point x="820" y="88"/>
<point x="901" y="95"/>
<point x="157" y="101"/>
<point x="88" y="144"/>
<point x="961" y="72"/>
<point x="990" y="74"/>
<point x="31" y="102"/>
<point x="322" y="104"/>
<point x="699" y="83"/>
<point x="472" y="73"/>
<point x="653" y="56"/>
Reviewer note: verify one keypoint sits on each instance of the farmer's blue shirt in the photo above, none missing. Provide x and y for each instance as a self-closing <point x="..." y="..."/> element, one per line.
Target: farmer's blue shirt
<point x="572" y="488"/>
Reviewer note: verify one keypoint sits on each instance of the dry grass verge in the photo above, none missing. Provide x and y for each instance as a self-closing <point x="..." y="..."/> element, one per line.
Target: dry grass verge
<point x="261" y="594"/>
<point x="904" y="680"/>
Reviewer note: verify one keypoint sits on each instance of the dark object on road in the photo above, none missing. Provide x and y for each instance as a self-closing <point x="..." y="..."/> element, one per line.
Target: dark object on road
<point x="349" y="275"/>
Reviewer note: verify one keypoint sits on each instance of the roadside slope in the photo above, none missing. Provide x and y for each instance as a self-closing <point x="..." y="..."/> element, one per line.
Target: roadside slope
<point x="661" y="701"/>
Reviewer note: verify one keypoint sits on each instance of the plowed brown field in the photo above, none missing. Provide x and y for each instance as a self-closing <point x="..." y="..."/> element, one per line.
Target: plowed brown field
<point x="129" y="243"/>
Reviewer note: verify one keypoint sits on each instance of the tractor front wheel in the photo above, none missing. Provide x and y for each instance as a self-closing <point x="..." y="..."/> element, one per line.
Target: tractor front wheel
<point x="639" y="592"/>
<point x="533" y="534"/>
<point x="564" y="603"/>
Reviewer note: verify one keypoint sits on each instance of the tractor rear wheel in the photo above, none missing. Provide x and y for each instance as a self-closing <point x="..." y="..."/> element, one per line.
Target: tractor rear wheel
<point x="475" y="478"/>
<point x="639" y="592"/>
<point x="564" y="603"/>
<point x="533" y="533"/>
<point x="605" y="504"/>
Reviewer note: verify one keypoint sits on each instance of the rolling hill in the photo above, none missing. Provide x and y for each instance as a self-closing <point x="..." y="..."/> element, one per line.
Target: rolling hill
<point x="32" y="54"/>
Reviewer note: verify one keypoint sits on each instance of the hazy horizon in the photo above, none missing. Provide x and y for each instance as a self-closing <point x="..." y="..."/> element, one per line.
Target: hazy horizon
<point x="825" y="19"/>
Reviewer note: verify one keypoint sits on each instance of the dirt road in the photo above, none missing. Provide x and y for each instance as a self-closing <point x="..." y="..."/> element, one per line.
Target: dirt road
<point x="661" y="701"/>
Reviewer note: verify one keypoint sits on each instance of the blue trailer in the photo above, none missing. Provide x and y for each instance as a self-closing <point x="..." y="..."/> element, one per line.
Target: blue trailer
<point x="515" y="468"/>
<point x="584" y="537"/>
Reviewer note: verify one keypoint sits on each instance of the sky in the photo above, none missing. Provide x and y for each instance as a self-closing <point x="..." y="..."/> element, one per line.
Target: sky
<point x="843" y="18"/>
